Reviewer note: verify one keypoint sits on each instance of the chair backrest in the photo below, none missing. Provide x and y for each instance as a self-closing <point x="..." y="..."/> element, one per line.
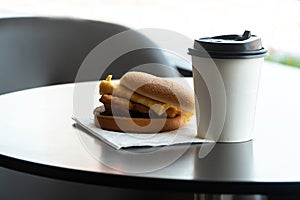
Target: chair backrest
<point x="40" y="51"/>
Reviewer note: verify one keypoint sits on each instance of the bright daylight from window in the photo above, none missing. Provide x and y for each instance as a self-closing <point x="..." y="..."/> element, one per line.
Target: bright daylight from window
<point x="276" y="21"/>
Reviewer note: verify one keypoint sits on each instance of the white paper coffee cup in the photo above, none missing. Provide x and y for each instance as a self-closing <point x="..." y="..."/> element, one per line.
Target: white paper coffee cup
<point x="238" y="60"/>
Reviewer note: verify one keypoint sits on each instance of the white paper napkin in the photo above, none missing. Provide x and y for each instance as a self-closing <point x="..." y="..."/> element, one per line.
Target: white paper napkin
<point x="118" y="140"/>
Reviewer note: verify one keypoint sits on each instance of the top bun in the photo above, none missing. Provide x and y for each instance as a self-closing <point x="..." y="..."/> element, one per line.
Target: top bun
<point x="163" y="90"/>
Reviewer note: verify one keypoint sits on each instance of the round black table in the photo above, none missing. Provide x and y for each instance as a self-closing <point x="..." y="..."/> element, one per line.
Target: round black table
<point x="38" y="136"/>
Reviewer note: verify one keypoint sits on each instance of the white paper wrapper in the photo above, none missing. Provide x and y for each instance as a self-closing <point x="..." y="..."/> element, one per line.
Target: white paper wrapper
<point x="185" y="135"/>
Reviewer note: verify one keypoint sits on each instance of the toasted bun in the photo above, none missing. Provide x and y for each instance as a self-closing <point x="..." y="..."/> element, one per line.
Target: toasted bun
<point x="142" y="125"/>
<point x="159" y="89"/>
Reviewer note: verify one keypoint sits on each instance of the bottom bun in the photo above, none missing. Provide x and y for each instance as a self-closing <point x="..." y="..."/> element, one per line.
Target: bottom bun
<point x="137" y="125"/>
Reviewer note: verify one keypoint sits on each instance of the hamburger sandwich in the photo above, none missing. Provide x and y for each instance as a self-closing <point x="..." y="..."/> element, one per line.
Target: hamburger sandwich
<point x="143" y="103"/>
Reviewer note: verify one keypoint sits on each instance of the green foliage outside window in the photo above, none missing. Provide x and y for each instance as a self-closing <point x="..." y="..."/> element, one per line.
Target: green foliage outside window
<point x="284" y="58"/>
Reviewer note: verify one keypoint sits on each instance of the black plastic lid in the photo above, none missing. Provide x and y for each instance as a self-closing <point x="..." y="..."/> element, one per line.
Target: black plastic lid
<point x="229" y="46"/>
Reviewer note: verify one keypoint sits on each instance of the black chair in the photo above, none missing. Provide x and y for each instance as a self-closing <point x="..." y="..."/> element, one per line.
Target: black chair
<point x="39" y="51"/>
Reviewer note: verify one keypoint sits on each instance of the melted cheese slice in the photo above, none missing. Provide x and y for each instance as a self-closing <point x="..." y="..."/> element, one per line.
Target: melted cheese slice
<point x="107" y="87"/>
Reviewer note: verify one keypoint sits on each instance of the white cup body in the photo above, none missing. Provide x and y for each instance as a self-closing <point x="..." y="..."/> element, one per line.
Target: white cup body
<point x="241" y="82"/>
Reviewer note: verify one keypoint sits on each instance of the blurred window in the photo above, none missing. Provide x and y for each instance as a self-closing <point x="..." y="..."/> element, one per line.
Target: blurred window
<point x="276" y="21"/>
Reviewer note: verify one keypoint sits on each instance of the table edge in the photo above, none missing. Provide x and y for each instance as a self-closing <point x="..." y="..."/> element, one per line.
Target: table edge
<point x="149" y="183"/>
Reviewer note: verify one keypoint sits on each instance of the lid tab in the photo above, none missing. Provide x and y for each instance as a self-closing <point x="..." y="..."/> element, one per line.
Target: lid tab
<point x="245" y="36"/>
